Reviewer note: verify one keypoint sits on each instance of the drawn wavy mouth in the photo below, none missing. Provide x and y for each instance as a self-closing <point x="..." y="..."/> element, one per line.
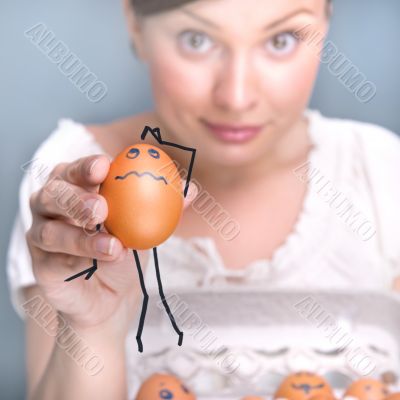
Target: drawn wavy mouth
<point x="140" y="174"/>
<point x="307" y="388"/>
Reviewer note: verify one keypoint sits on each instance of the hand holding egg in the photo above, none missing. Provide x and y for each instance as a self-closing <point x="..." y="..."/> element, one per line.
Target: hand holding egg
<point x="145" y="198"/>
<point x="62" y="240"/>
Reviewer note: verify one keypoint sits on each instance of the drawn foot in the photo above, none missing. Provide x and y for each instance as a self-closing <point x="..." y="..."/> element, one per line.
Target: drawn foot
<point x="180" y="340"/>
<point x="140" y="344"/>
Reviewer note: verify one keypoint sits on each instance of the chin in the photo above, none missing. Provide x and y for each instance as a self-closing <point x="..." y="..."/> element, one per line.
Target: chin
<point x="231" y="158"/>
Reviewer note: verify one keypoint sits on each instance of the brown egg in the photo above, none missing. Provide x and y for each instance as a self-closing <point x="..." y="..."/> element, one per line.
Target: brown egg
<point x="393" y="396"/>
<point x="367" y="389"/>
<point x="252" y="398"/>
<point x="144" y="193"/>
<point x="303" y="385"/>
<point x="164" y="387"/>
<point x="323" y="397"/>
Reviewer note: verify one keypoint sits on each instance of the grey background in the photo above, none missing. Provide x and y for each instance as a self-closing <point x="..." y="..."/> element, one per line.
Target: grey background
<point x="34" y="95"/>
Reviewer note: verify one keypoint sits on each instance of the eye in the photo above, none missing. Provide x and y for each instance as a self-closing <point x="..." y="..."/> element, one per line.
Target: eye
<point x="195" y="42"/>
<point x="282" y="44"/>
<point x="133" y="153"/>
<point x="166" y="394"/>
<point x="154" y="153"/>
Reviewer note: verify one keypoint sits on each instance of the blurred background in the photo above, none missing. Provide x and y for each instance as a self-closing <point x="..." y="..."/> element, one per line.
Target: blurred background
<point x="35" y="94"/>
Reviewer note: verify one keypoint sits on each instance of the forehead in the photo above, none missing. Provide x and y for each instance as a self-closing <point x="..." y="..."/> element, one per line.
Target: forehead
<point x="238" y="17"/>
<point x="220" y="10"/>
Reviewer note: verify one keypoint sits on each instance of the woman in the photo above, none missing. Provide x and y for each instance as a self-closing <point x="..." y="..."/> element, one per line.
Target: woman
<point x="233" y="80"/>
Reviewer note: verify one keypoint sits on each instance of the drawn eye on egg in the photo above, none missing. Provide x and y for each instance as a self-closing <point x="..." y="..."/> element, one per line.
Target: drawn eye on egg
<point x="166" y="394"/>
<point x="154" y="153"/>
<point x="133" y="153"/>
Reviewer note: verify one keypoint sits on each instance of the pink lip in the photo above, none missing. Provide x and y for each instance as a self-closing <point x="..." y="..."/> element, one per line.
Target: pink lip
<point x="233" y="133"/>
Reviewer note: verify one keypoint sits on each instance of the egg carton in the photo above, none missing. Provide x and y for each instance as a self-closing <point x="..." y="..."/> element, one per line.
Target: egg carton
<point x="239" y="342"/>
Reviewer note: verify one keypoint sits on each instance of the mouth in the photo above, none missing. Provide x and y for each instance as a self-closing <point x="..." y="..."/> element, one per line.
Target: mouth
<point x="306" y="388"/>
<point x="140" y="174"/>
<point x="233" y="133"/>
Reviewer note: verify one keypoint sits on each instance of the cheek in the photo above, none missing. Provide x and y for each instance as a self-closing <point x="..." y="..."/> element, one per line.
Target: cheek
<point x="177" y="83"/>
<point x="291" y="83"/>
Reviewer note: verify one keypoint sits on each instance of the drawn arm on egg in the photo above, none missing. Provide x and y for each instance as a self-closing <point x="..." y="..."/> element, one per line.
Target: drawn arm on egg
<point x="155" y="132"/>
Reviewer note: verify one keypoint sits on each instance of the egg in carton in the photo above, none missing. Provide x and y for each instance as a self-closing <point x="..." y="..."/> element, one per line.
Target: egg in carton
<point x="283" y="336"/>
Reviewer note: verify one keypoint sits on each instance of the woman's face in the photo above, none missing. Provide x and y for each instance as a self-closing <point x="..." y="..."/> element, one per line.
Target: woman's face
<point x="229" y="77"/>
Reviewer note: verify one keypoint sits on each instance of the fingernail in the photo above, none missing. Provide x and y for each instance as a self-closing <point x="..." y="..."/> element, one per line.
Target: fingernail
<point x="91" y="169"/>
<point x="92" y="204"/>
<point x="192" y="191"/>
<point x="105" y="245"/>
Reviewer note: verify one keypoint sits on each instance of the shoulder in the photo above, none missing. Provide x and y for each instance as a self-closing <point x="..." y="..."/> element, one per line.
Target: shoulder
<point x="371" y="149"/>
<point x="71" y="140"/>
<point x="373" y="141"/>
<point x="118" y="134"/>
<point x="66" y="142"/>
<point x="369" y="156"/>
<point x="127" y="123"/>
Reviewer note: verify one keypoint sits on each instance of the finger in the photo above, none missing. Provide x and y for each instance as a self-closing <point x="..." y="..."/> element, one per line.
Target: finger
<point x="87" y="172"/>
<point x="56" y="267"/>
<point x="57" y="236"/>
<point x="58" y="198"/>
<point x="191" y="194"/>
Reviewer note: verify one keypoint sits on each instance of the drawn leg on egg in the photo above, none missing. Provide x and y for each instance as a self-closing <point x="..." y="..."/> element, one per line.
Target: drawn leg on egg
<point x="88" y="272"/>
<point x="164" y="301"/>
<point x="146" y="300"/>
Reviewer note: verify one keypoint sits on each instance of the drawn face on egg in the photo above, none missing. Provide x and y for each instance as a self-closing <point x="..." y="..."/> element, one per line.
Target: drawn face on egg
<point x="302" y="386"/>
<point x="164" y="387"/>
<point x="368" y="389"/>
<point x="323" y="397"/>
<point x="252" y="398"/>
<point x="144" y="194"/>
<point x="144" y="165"/>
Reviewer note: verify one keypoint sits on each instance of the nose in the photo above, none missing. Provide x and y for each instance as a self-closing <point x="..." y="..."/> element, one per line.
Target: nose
<point x="235" y="84"/>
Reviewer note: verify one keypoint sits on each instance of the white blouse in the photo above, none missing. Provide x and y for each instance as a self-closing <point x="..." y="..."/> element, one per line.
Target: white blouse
<point x="346" y="237"/>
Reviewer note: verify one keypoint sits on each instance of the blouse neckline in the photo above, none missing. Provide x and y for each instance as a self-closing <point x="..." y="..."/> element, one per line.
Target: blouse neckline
<point x="297" y="239"/>
<point x="305" y="236"/>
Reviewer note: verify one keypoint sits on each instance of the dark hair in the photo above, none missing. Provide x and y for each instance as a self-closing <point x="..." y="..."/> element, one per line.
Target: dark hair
<point x="148" y="7"/>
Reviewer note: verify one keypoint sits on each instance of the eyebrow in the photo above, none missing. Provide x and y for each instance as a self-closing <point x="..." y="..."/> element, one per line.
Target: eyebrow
<point x="269" y="26"/>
